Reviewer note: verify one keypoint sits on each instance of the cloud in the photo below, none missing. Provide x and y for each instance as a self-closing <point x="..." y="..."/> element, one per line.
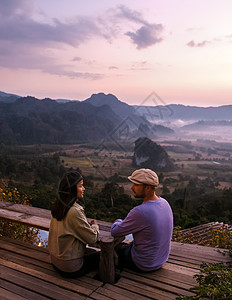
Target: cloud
<point x="34" y="59"/>
<point x="132" y="15"/>
<point x="229" y="37"/>
<point x="26" y="42"/>
<point x="201" y="44"/>
<point x="76" y="58"/>
<point x="11" y="8"/>
<point x="146" y="36"/>
<point x="64" y="70"/>
<point x="18" y="26"/>
<point x="139" y="66"/>
<point x="113" y="68"/>
<point x="21" y="29"/>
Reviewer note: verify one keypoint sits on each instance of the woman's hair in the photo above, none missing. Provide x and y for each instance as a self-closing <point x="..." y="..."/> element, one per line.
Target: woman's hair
<point x="67" y="195"/>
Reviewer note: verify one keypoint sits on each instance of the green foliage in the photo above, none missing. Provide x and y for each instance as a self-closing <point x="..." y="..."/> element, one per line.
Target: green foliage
<point x="35" y="169"/>
<point x="214" y="282"/>
<point x="200" y="202"/>
<point x="40" y="195"/>
<point x="33" y="174"/>
<point x="10" y="229"/>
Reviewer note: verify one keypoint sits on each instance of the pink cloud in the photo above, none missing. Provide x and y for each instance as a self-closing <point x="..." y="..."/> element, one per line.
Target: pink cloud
<point x="193" y="44"/>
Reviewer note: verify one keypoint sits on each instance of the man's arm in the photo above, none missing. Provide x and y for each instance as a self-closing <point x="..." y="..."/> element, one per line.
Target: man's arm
<point x="131" y="224"/>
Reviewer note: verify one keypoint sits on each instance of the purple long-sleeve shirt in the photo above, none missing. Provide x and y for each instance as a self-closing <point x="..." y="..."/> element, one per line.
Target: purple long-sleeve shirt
<point x="151" y="224"/>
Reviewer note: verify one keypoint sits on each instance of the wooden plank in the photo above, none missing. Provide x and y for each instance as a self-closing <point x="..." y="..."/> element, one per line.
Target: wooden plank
<point x="178" y="259"/>
<point x="11" y="284"/>
<point x="8" y="295"/>
<point x="26" y="209"/>
<point x="45" y="277"/>
<point x="156" y="271"/>
<point x="155" y="283"/>
<point x="202" y="257"/>
<point x="22" y="218"/>
<point x="197" y="261"/>
<point x="46" y="268"/>
<point x="23" y="244"/>
<point x="35" y="288"/>
<point x="24" y="214"/>
<point x="96" y="296"/>
<point x="144" y="290"/>
<point x="197" y="250"/>
<point x="180" y="269"/>
<point x="164" y="274"/>
<point x="182" y="263"/>
<point x="25" y="251"/>
<point x="117" y="293"/>
<point x="20" y="259"/>
<point x="39" y="262"/>
<point x="191" y="261"/>
<point x="170" y="278"/>
<point x="109" y="294"/>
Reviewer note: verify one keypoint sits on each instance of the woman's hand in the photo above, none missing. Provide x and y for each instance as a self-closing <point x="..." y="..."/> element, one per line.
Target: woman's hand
<point x="93" y="222"/>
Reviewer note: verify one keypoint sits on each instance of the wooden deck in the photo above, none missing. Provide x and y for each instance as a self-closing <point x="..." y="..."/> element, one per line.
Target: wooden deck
<point x="26" y="273"/>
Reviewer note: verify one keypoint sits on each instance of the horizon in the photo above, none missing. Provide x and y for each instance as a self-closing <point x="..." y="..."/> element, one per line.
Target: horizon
<point x="65" y="99"/>
<point x="51" y="49"/>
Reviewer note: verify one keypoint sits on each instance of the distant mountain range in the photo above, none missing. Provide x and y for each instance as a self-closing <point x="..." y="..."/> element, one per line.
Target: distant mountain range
<point x="32" y="121"/>
<point x="206" y="125"/>
<point x="27" y="120"/>
<point x="182" y="112"/>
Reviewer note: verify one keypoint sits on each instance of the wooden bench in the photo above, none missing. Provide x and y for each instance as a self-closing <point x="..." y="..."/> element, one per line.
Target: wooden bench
<point x="26" y="272"/>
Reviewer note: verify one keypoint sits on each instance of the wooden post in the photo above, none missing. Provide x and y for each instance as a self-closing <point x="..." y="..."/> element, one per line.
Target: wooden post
<point x="106" y="264"/>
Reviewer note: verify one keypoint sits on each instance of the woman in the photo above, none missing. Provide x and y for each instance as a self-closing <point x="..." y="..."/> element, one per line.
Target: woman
<point x="70" y="231"/>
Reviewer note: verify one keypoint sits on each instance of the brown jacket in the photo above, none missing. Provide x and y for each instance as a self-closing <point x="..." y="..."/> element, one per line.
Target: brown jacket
<point x="68" y="238"/>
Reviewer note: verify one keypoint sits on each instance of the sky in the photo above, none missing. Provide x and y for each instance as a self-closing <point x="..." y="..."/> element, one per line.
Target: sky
<point x="146" y="52"/>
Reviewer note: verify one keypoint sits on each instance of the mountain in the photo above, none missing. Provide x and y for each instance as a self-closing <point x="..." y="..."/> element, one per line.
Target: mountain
<point x="148" y="154"/>
<point x="126" y="112"/>
<point x="8" y="98"/>
<point x="120" y="108"/>
<point x="28" y="120"/>
<point x="32" y="121"/>
<point x="147" y="113"/>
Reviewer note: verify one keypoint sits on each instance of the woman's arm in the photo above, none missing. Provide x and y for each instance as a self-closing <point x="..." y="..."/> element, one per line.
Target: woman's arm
<point x="82" y="230"/>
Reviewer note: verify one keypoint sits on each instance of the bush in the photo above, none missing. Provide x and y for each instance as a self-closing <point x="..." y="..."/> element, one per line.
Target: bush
<point x="214" y="282"/>
<point x="14" y="230"/>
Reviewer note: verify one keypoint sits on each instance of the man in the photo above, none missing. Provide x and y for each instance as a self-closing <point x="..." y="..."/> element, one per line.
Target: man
<point x="151" y="224"/>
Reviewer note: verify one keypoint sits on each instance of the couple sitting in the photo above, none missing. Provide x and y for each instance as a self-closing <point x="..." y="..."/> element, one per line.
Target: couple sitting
<point x="150" y="223"/>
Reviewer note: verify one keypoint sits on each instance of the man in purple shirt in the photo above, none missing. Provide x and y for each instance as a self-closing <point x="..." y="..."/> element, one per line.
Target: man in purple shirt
<point x="150" y="223"/>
